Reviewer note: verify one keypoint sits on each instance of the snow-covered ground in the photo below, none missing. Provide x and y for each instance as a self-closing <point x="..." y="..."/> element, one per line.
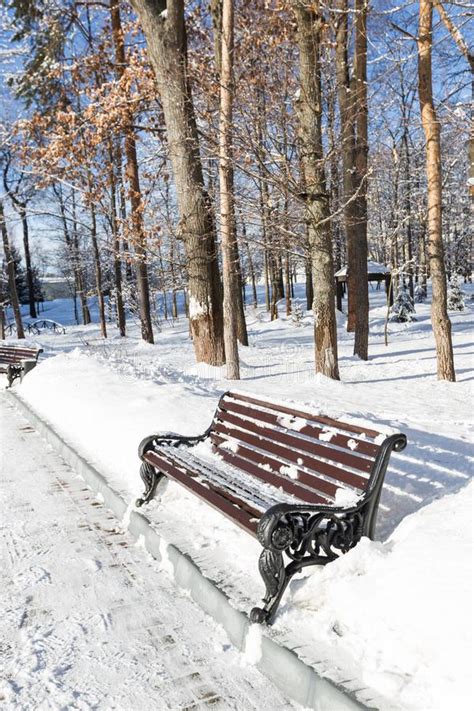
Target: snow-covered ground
<point x="89" y="620"/>
<point x="392" y="617"/>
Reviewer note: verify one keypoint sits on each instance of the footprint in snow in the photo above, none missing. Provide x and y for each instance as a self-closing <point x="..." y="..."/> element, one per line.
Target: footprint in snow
<point x="92" y="564"/>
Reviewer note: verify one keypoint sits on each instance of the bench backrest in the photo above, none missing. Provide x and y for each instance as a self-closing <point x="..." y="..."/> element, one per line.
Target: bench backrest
<point x="305" y="454"/>
<point x="14" y="354"/>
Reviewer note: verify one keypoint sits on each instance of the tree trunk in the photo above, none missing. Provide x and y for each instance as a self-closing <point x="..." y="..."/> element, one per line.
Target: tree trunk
<point x="164" y="29"/>
<point x="431" y="127"/>
<point x="29" y="268"/>
<point x="98" y="273"/>
<point x="20" y="207"/>
<point x="275" y="287"/>
<point x="78" y="268"/>
<point x="11" y="275"/>
<point x="309" y="284"/>
<point x="358" y="267"/>
<point x="121" y="320"/>
<point x="309" y="109"/>
<point x="345" y="100"/>
<point x="217" y="11"/>
<point x="251" y="266"/>
<point x="122" y="212"/>
<point x="2" y="322"/>
<point x="134" y="184"/>
<point x="287" y="283"/>
<point x="70" y="244"/>
<point x="226" y="193"/>
<point x="408" y="250"/>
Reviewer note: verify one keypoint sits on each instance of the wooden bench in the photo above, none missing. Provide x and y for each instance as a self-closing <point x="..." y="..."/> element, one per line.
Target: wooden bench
<point x="12" y="357"/>
<point x="306" y="486"/>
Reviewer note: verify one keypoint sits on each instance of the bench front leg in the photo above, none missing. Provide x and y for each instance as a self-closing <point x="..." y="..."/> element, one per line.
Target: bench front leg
<point x="150" y="477"/>
<point x="275" y="535"/>
<point x="13" y="372"/>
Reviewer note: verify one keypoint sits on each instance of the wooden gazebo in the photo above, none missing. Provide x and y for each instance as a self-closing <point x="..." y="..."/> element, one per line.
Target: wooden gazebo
<point x="375" y="272"/>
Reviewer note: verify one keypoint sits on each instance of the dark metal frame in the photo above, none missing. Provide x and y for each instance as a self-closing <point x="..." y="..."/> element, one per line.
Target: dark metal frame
<point x="14" y="370"/>
<point x="304" y="534"/>
<point x="45" y="323"/>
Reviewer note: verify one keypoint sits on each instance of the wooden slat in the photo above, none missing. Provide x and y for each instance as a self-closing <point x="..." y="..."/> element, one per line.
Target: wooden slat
<point x="14" y="360"/>
<point x="277" y="480"/>
<point x="314" y="431"/>
<point x="290" y="455"/>
<point x="211" y="497"/>
<point x="306" y="415"/>
<point x="16" y="353"/>
<point x="292" y="441"/>
<point x="11" y="357"/>
<point x="252" y="461"/>
<point x="20" y="349"/>
<point x="195" y="472"/>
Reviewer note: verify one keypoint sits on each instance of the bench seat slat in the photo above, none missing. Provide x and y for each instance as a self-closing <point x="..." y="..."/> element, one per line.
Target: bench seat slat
<point x="315" y="430"/>
<point x="17" y="351"/>
<point x="243" y="493"/>
<point x="14" y="357"/>
<point x="213" y="498"/>
<point x="290" y="456"/>
<point x="300" y="413"/>
<point x="310" y="496"/>
<point x="314" y="490"/>
<point x="317" y="448"/>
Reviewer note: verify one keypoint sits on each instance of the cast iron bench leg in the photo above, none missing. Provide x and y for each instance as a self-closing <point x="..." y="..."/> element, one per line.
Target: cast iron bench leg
<point x="12" y="373"/>
<point x="276" y="578"/>
<point x="150" y="477"/>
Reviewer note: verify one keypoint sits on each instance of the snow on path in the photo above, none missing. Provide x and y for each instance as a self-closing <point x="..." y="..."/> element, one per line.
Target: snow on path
<point x="88" y="618"/>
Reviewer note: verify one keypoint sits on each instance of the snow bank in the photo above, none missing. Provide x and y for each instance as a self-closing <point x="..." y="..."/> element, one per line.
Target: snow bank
<point x="401" y="610"/>
<point x="107" y="414"/>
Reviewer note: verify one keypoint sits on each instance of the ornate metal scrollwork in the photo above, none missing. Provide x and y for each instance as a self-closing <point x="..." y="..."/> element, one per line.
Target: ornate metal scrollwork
<point x="306" y="537"/>
<point x="149" y="475"/>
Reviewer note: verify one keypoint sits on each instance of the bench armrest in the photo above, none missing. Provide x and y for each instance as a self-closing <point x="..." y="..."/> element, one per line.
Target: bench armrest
<point x="314" y="531"/>
<point x="167" y="438"/>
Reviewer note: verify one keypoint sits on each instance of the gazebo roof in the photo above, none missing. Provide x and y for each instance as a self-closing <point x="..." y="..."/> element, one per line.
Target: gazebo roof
<point x="372" y="268"/>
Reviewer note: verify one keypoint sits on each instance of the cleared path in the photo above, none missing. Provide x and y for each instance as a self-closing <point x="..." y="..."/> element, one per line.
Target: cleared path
<point x="88" y="620"/>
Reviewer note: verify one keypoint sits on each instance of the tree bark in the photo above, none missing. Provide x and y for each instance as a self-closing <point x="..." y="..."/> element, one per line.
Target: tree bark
<point x="164" y="28"/>
<point x="98" y="272"/>
<point x="133" y="179"/>
<point x="21" y="208"/>
<point x="226" y="192"/>
<point x="358" y="266"/>
<point x="217" y="11"/>
<point x="431" y="127"/>
<point x="346" y="111"/>
<point x="121" y="320"/>
<point x="11" y="275"/>
<point x="2" y="322"/>
<point x="309" y="284"/>
<point x="78" y="267"/>
<point x="309" y="109"/>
